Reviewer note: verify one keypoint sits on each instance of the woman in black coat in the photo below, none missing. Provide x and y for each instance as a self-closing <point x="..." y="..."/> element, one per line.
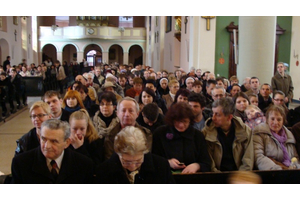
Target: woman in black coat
<point x="180" y="143"/>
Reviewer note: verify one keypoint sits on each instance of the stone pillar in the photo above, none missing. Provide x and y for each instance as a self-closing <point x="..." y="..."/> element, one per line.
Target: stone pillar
<point x="79" y="57"/>
<point x="105" y="58"/>
<point x="256" y="47"/>
<point x="125" y="58"/>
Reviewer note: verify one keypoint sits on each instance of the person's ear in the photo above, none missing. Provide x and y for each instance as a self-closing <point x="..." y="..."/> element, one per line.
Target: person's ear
<point x="68" y="142"/>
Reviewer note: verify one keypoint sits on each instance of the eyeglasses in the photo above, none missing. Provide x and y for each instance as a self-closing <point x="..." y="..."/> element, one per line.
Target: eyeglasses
<point x="128" y="163"/>
<point x="103" y="104"/>
<point x="281" y="100"/>
<point x="38" y="116"/>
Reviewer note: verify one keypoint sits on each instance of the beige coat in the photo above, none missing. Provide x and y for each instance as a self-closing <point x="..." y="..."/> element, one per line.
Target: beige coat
<point x="242" y="145"/>
<point x="266" y="145"/>
<point x="168" y="99"/>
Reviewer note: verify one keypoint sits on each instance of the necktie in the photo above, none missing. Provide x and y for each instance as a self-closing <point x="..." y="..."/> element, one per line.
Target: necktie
<point x="54" y="169"/>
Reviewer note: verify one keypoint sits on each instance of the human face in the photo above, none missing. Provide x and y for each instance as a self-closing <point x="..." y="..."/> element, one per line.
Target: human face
<point x="254" y="84"/>
<point x="251" y="113"/>
<point x="218" y="93"/>
<point x="37" y="121"/>
<point x="55" y="105"/>
<point x="2" y="77"/>
<point x="280" y="68"/>
<point x="158" y="74"/>
<point x="165" y="75"/>
<point x="97" y="72"/>
<point x="182" y="125"/>
<point x="254" y="101"/>
<point x="265" y="91"/>
<point x="196" y="107"/>
<point x="72" y="102"/>
<point x="53" y="143"/>
<point x="127" y="113"/>
<point x="278" y="100"/>
<point x="219" y="119"/>
<point x="220" y="83"/>
<point x="122" y="82"/>
<point x="138" y="87"/>
<point x="146" y="98"/>
<point x="131" y="162"/>
<point x="182" y="98"/>
<point x="198" y="72"/>
<point x="197" y="88"/>
<point x="234" y="90"/>
<point x="210" y="88"/>
<point x="164" y="84"/>
<point x="189" y="84"/>
<point x="146" y="74"/>
<point x="234" y="82"/>
<point x="78" y="127"/>
<point x="275" y="121"/>
<point x="81" y="79"/>
<point x="241" y="104"/>
<point x="151" y="86"/>
<point x="130" y="81"/>
<point x="107" y="108"/>
<point x="83" y="95"/>
<point x="74" y="86"/>
<point x="174" y="88"/>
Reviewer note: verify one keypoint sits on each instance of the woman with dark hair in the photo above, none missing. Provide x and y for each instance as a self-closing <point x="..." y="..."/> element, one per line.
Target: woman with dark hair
<point x="86" y="100"/>
<point x="106" y="118"/>
<point x="183" y="146"/>
<point x="241" y="101"/>
<point x="147" y="96"/>
<point x="181" y="96"/>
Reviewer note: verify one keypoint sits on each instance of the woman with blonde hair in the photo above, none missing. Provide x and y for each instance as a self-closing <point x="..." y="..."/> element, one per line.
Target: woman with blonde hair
<point x="39" y="112"/>
<point x="72" y="101"/>
<point x="84" y="137"/>
<point x="132" y="162"/>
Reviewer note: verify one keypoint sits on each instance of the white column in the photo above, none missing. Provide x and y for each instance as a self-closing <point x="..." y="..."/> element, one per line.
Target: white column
<point x="125" y="58"/>
<point x="105" y="58"/>
<point x="79" y="57"/>
<point x="257" y="36"/>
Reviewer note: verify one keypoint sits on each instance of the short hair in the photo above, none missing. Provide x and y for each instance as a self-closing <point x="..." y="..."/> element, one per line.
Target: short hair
<point x="227" y="105"/>
<point x="172" y="82"/>
<point x="137" y="80"/>
<point x="188" y="79"/>
<point x="220" y="79"/>
<point x="56" y="124"/>
<point x="252" y="95"/>
<point x="278" y="92"/>
<point x="80" y="87"/>
<point x="235" y="84"/>
<point x="197" y="82"/>
<point x="218" y="87"/>
<point x="183" y="92"/>
<point x="148" y="91"/>
<point x="179" y="111"/>
<point x="253" y="77"/>
<point x="233" y="78"/>
<point x="130" y="140"/>
<point x="91" y="133"/>
<point x="137" y="107"/>
<point x="275" y="108"/>
<point x="253" y="106"/>
<point x="199" y="98"/>
<point x="40" y="104"/>
<point x="267" y="85"/>
<point x="86" y="75"/>
<point x="51" y="93"/>
<point x="151" y="111"/>
<point x="240" y="94"/>
<point x="211" y="81"/>
<point x="151" y="81"/>
<point x="109" y="97"/>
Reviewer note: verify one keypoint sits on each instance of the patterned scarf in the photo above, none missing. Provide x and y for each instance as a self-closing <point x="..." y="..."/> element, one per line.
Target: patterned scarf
<point x="281" y="138"/>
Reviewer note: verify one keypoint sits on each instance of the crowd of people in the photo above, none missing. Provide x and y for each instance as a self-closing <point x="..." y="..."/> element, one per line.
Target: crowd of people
<point x="132" y="124"/>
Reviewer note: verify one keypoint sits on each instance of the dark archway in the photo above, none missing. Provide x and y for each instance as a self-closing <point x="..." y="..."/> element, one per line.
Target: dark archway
<point x="69" y="53"/>
<point x="4" y="50"/>
<point x="116" y="54"/>
<point x="49" y="51"/>
<point x="135" y="55"/>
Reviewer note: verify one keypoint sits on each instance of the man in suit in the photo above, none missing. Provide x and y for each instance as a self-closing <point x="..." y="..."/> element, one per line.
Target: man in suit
<point x="53" y="98"/>
<point x="52" y="162"/>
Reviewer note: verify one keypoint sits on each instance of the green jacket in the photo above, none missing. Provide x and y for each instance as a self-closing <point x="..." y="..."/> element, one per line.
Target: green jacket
<point x="284" y="84"/>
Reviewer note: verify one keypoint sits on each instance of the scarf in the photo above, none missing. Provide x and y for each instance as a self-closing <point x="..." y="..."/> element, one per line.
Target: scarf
<point x="71" y="110"/>
<point x="281" y="138"/>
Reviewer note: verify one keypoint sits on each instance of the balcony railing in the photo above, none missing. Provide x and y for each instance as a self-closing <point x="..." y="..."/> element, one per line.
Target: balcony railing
<point x="80" y="32"/>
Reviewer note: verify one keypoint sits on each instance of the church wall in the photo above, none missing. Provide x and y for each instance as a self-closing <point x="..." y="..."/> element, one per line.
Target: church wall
<point x="294" y="57"/>
<point x="222" y="43"/>
<point x="285" y="22"/>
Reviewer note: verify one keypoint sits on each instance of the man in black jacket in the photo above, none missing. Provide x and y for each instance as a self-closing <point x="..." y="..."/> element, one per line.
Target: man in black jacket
<point x="52" y="162"/>
<point x="53" y="98"/>
<point x="6" y="62"/>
